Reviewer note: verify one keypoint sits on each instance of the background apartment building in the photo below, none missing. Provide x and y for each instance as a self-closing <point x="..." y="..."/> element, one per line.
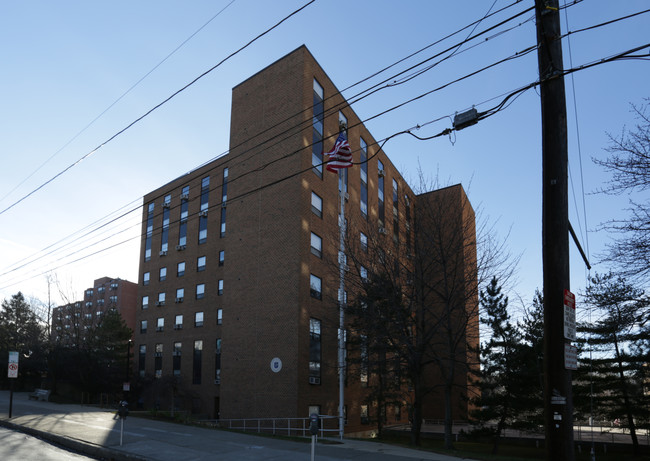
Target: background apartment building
<point x="72" y="320"/>
<point x="238" y="313"/>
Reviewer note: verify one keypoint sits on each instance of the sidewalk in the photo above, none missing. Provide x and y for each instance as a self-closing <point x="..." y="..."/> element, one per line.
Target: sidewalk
<point x="96" y="433"/>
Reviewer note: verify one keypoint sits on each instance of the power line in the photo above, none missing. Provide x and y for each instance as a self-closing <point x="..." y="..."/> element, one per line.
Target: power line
<point x="484" y="114"/>
<point x="455" y="46"/>
<point x="116" y="101"/>
<point x="157" y="106"/>
<point x="620" y="56"/>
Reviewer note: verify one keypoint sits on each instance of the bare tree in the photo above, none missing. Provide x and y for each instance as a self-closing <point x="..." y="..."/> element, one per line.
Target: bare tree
<point x="629" y="164"/>
<point x="417" y="296"/>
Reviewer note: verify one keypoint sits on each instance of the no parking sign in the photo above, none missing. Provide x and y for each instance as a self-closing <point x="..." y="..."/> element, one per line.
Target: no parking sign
<point x="13" y="365"/>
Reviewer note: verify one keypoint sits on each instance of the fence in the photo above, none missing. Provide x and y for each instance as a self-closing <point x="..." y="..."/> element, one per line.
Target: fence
<point x="292" y="427"/>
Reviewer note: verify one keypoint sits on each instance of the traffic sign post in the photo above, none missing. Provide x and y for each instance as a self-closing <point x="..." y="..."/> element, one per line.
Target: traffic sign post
<point x="12" y="372"/>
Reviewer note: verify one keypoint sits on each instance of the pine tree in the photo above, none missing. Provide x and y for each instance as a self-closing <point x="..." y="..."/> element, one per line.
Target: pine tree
<point x="508" y="367"/>
<point x="21" y="331"/>
<point x="617" y="365"/>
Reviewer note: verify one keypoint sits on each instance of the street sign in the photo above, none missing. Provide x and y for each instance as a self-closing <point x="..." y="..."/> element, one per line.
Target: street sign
<point x="12" y="371"/>
<point x="569" y="315"/>
<point x="570" y="357"/>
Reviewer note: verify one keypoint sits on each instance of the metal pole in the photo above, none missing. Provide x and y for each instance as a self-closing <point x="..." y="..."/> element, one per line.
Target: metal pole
<point x="11" y="398"/>
<point x="341" y="298"/>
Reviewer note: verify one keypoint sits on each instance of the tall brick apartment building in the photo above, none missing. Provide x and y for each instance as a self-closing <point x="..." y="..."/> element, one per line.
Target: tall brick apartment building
<point x="238" y="265"/>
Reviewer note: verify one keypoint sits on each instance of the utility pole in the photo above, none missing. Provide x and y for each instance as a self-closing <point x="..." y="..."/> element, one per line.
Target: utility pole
<point x="558" y="399"/>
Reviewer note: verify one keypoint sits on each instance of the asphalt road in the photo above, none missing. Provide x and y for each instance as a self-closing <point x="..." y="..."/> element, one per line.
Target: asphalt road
<point x="96" y="433"/>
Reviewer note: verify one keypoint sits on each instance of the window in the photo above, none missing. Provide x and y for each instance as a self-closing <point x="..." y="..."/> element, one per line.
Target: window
<point x="315" y="286"/>
<point x="160" y="324"/>
<point x="203" y="214"/>
<point x="219" y="316"/>
<point x="100" y="291"/>
<point x="163" y="274"/>
<point x="176" y="359"/>
<point x="161" y="299"/>
<point x="380" y="193"/>
<point x="141" y="359"/>
<point x="217" y="362"/>
<point x="363" y="272"/>
<point x="317" y="130"/>
<point x="164" y="235"/>
<point x="316" y="245"/>
<point x="203" y="229"/>
<point x="180" y="295"/>
<point x="182" y="229"/>
<point x="363" y="374"/>
<point x="178" y="322"/>
<point x="147" y="242"/>
<point x="143" y="326"/>
<point x="395" y="211"/>
<point x="316" y="205"/>
<point x="222" y="256"/>
<point x="200" y="291"/>
<point x="145" y="302"/>
<point x="200" y="263"/>
<point x="180" y="269"/>
<point x="112" y="299"/>
<point x="205" y="191"/>
<point x="313" y="409"/>
<point x="224" y="186"/>
<point x="198" y="319"/>
<point x="89" y="293"/>
<point x="363" y="160"/>
<point x="220" y="292"/>
<point x="222" y="232"/>
<point x="197" y="359"/>
<point x="158" y="360"/>
<point x="364" y="414"/>
<point x="314" y="351"/>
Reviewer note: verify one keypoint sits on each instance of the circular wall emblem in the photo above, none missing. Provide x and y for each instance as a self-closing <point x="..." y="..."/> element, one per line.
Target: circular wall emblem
<point x="276" y="365"/>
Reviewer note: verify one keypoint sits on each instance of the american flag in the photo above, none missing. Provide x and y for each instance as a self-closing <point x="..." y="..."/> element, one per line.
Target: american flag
<point x="340" y="156"/>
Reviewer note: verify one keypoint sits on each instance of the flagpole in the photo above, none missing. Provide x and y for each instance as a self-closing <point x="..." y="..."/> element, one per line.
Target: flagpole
<point x="341" y="298"/>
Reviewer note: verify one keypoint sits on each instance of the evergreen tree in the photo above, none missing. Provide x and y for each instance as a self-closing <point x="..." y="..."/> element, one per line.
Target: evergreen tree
<point x="532" y="328"/>
<point x="21" y="331"/>
<point x="618" y="362"/>
<point x="506" y="367"/>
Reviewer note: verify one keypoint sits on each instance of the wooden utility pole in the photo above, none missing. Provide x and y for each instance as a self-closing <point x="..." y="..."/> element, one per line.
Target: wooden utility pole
<point x="558" y="400"/>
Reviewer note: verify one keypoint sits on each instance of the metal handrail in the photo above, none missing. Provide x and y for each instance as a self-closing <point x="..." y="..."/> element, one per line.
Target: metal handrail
<point x="277" y="426"/>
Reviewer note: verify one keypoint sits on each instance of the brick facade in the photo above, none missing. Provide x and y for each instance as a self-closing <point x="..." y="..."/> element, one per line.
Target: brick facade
<point x="266" y="303"/>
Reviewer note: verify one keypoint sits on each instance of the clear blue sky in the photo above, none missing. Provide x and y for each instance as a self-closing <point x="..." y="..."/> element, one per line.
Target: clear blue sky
<point x="65" y="62"/>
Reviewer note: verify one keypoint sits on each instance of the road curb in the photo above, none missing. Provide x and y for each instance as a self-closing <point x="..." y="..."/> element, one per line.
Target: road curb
<point x="79" y="446"/>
